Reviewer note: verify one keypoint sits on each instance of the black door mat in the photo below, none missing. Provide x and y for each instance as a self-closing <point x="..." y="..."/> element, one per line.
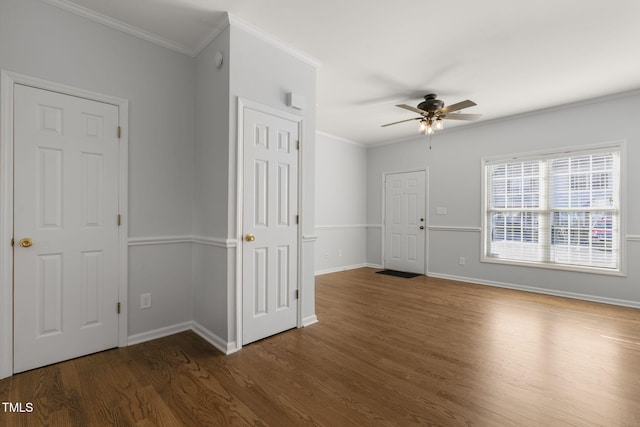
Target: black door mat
<point x="398" y="273"/>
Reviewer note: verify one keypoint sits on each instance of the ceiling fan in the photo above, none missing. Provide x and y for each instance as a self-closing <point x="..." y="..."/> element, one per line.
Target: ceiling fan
<point x="432" y="112"/>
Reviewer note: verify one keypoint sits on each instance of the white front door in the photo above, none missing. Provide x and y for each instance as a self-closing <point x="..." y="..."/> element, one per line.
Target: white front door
<point x="270" y="208"/>
<point x="65" y="227"/>
<point x="405" y="222"/>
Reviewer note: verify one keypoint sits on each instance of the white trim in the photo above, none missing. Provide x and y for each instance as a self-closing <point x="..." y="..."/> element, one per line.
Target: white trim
<point x="159" y="333"/>
<point x="234" y="21"/>
<point x="309" y="238"/>
<point x="227" y="347"/>
<point x="213" y="339"/>
<point x="416" y="138"/>
<point x="548" y="153"/>
<point x="215" y="242"/>
<point x="309" y="320"/>
<point x="7" y="81"/>
<point x="338" y="269"/>
<point x="159" y="240"/>
<point x="243" y="103"/>
<point x="374" y="226"/>
<point x="340" y="139"/>
<point x="341" y="227"/>
<point x="169" y="240"/>
<point x="123" y="27"/>
<point x="454" y="228"/>
<point x="217" y="30"/>
<point x="633" y="238"/>
<point x="6" y="224"/>
<point x="584" y="297"/>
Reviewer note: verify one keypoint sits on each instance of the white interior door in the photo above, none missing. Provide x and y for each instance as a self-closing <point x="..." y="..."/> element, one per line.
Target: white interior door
<point x="405" y="222"/>
<point x="66" y="203"/>
<point x="270" y="207"/>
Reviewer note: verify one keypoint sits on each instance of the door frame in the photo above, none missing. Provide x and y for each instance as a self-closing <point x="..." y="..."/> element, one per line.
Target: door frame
<point x="242" y="104"/>
<point x="426" y="214"/>
<point x="8" y="80"/>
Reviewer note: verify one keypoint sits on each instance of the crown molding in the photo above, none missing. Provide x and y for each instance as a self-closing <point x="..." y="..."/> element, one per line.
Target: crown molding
<point x="227" y="21"/>
<point x="234" y="21"/>
<point x="222" y="25"/>
<point x="120" y="26"/>
<point x="340" y="139"/>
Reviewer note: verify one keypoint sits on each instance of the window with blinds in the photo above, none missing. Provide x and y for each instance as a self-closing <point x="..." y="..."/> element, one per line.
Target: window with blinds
<point x="561" y="209"/>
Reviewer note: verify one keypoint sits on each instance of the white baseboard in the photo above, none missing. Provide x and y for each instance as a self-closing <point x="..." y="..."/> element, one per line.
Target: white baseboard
<point x="343" y="268"/>
<point x="584" y="297"/>
<point x="204" y="333"/>
<point x="213" y="339"/>
<point x="309" y="320"/>
<point x="158" y="333"/>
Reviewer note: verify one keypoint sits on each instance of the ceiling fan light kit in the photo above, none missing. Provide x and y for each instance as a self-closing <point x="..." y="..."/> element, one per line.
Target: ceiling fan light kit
<point x="433" y="111"/>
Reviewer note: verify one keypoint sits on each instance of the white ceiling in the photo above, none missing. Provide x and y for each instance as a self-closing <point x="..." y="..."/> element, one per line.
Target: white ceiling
<point x="508" y="56"/>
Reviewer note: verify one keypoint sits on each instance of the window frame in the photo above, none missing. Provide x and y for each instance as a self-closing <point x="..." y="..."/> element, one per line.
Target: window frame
<point x="618" y="146"/>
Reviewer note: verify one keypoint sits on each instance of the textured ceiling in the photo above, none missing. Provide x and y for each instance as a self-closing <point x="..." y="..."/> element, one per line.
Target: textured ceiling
<point x="509" y="57"/>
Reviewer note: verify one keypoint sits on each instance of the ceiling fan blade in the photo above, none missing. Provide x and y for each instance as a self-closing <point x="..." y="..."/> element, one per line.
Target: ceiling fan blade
<point x="414" y="109"/>
<point x="456" y="107"/>
<point x="462" y="116"/>
<point x="401" y="121"/>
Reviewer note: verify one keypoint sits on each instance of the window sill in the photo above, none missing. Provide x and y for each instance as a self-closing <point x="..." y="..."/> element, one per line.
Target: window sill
<point x="562" y="267"/>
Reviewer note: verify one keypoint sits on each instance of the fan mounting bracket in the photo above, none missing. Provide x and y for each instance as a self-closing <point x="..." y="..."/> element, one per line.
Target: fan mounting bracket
<point x="431" y="103"/>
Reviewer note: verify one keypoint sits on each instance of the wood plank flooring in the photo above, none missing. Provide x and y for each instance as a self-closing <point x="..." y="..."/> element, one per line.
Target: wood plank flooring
<point x="387" y="352"/>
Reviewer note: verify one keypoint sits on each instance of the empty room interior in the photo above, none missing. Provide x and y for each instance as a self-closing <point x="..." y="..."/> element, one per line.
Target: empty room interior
<point x="319" y="213"/>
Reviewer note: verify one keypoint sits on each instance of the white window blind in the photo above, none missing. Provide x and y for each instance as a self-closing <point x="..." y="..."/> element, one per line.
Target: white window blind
<point x="559" y="209"/>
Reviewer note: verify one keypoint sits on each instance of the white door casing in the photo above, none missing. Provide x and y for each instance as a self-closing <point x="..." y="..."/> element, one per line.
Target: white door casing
<point x="270" y="209"/>
<point x="405" y="224"/>
<point x="70" y="185"/>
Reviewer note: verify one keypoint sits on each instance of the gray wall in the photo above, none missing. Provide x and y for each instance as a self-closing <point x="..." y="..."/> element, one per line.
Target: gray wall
<point x="454" y="165"/>
<point x="341" y="207"/>
<point x="42" y="41"/>
<point x="211" y="188"/>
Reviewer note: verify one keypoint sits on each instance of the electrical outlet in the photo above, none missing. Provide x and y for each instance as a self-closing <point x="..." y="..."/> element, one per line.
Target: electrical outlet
<point x="441" y="210"/>
<point x="340" y="252"/>
<point x="145" y="301"/>
<point x="461" y="260"/>
<point x="326" y="255"/>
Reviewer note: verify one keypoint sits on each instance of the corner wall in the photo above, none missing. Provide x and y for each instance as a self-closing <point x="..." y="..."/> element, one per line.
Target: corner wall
<point x="264" y="72"/>
<point x="210" y="214"/>
<point x="341" y="203"/>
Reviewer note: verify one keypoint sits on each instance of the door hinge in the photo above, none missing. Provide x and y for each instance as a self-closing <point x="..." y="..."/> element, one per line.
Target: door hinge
<point x="119" y="132"/>
<point x="297" y="219"/>
<point x="297" y="293"/>
<point x="12" y="242"/>
<point x="118" y="308"/>
<point x="298" y="145"/>
<point x="119" y="220"/>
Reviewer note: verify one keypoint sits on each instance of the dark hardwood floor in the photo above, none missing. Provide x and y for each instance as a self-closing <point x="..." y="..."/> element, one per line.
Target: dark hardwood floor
<point x="387" y="351"/>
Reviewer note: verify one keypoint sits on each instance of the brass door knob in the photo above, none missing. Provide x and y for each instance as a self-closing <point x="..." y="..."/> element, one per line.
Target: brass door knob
<point x="26" y="242"/>
<point x="249" y="237"/>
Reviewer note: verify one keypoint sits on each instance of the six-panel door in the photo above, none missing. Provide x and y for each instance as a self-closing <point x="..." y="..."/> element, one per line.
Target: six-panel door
<point x="66" y="203"/>
<point x="405" y="222"/>
<point x="270" y="261"/>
